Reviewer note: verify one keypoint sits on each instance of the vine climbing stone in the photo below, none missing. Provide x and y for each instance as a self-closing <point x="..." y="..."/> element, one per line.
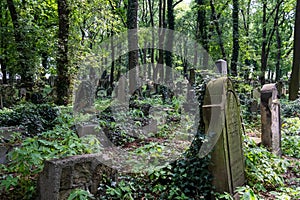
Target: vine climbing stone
<point x="223" y="129"/>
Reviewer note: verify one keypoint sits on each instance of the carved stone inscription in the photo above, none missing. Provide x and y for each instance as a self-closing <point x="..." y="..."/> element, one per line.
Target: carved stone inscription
<point x="227" y="156"/>
<point x="234" y="136"/>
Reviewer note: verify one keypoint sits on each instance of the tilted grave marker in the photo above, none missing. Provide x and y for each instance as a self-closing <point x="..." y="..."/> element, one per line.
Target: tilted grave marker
<point x="270" y="118"/>
<point x="223" y="126"/>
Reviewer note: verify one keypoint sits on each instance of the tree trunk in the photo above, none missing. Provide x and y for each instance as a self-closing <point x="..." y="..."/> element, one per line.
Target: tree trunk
<point x="63" y="79"/>
<point x="112" y="68"/>
<point x="152" y="41"/>
<point x="170" y="38"/>
<point x="294" y="83"/>
<point x="161" y="35"/>
<point x="25" y="71"/>
<point x="278" y="38"/>
<point x="235" y="37"/>
<point x="132" y="44"/>
<point x="264" y="45"/>
<point x="218" y="29"/>
<point x="201" y="32"/>
<point x="3" y="58"/>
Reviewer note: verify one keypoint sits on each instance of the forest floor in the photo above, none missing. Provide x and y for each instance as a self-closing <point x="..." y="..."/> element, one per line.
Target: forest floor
<point x="291" y="176"/>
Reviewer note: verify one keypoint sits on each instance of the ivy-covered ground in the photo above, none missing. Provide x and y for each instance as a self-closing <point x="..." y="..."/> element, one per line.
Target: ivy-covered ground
<point x="50" y="133"/>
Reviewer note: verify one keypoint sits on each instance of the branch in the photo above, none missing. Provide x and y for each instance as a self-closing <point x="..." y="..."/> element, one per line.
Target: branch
<point x="175" y="4"/>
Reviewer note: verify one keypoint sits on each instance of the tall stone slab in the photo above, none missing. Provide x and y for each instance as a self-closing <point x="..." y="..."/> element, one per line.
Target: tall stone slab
<point x="222" y="66"/>
<point x="223" y="128"/>
<point x="270" y="118"/>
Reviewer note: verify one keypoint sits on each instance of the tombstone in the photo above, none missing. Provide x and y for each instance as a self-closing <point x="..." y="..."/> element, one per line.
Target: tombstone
<point x="121" y="94"/>
<point x="221" y="114"/>
<point x="270" y="118"/>
<point x="93" y="129"/>
<point x="5" y="148"/>
<point x="222" y="66"/>
<point x="256" y="93"/>
<point x="60" y="176"/>
<point x="192" y="78"/>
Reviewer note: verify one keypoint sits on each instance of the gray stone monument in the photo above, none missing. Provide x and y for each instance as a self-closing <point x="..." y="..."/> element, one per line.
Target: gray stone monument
<point x="270" y="118"/>
<point x="60" y="176"/>
<point x="5" y="148"/>
<point x="222" y="66"/>
<point x="223" y="128"/>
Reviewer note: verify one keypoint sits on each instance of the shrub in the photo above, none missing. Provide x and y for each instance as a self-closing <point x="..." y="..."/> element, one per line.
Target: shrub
<point x="263" y="169"/>
<point x="19" y="177"/>
<point x="34" y="118"/>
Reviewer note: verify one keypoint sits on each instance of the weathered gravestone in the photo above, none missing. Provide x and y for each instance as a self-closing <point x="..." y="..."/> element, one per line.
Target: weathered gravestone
<point x="223" y="127"/>
<point x="60" y="176"/>
<point x="270" y="118"/>
<point x="5" y="134"/>
<point x="93" y="129"/>
<point x="222" y="66"/>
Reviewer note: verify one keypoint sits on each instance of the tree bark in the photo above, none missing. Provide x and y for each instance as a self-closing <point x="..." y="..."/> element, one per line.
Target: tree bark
<point x="25" y="69"/>
<point x="63" y="80"/>
<point x="294" y="82"/>
<point x="264" y="45"/>
<point x="132" y="44"/>
<point x="170" y="38"/>
<point x="152" y="41"/>
<point x="201" y="32"/>
<point x="278" y="38"/>
<point x="218" y="29"/>
<point x="235" y="37"/>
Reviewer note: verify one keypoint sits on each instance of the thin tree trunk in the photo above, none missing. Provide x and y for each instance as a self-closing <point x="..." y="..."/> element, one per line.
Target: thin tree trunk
<point x="152" y="41"/>
<point x="112" y="69"/>
<point x="63" y="81"/>
<point x="170" y="38"/>
<point x="201" y="32"/>
<point x="264" y="44"/>
<point x="218" y="29"/>
<point x="235" y="37"/>
<point x="160" y="67"/>
<point x="20" y="41"/>
<point x="294" y="83"/>
<point x="132" y="44"/>
<point x="278" y="38"/>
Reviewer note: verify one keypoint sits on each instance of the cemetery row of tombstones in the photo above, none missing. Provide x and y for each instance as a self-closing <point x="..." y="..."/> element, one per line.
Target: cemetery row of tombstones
<point x="61" y="176"/>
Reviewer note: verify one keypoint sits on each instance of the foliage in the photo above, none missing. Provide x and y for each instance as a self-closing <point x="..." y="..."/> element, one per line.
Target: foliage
<point x="290" y="146"/>
<point x="26" y="160"/>
<point x="263" y="169"/>
<point x="291" y="126"/>
<point x="290" y="140"/>
<point x="291" y="108"/>
<point x="245" y="193"/>
<point x="186" y="178"/>
<point x="286" y="193"/>
<point x="33" y="118"/>
<point x="183" y="179"/>
<point x="80" y="194"/>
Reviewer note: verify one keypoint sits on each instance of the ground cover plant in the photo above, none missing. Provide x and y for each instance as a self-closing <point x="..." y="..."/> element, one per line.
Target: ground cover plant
<point x="188" y="177"/>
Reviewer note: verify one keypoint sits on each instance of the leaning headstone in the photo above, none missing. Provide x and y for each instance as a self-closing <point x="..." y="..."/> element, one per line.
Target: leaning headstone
<point x="222" y="66"/>
<point x="270" y="118"/>
<point x="221" y="114"/>
<point x="60" y="176"/>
